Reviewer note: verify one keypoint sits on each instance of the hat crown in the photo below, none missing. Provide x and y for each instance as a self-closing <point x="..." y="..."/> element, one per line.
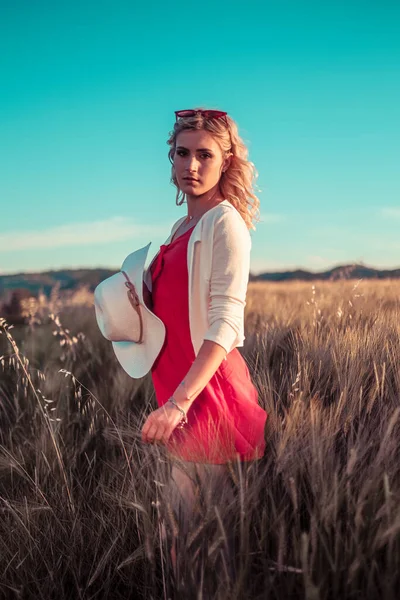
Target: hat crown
<point x="119" y="321"/>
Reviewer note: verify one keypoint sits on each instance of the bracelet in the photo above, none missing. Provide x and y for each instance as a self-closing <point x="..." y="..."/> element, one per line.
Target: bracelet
<point x="184" y="418"/>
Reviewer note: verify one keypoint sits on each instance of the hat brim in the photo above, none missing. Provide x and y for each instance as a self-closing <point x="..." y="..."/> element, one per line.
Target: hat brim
<point x="137" y="359"/>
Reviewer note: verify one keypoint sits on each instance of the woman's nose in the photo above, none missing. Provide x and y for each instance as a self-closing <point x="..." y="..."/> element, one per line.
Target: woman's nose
<point x="192" y="163"/>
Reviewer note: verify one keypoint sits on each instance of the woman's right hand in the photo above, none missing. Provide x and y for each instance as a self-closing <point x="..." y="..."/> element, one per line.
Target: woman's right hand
<point x="160" y="424"/>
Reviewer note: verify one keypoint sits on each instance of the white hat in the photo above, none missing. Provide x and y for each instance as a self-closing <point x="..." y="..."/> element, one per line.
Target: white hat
<point x="136" y="333"/>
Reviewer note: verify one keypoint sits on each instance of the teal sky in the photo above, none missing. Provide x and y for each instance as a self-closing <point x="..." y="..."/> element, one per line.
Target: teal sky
<point x="88" y="93"/>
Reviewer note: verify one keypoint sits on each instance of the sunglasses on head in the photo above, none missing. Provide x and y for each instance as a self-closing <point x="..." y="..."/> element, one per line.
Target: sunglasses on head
<point x="209" y="114"/>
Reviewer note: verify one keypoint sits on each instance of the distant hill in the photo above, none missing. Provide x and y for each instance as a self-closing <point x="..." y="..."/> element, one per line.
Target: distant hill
<point x="69" y="280"/>
<point x="354" y="271"/>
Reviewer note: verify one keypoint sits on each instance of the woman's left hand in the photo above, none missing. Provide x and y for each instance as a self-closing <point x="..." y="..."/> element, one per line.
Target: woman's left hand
<point x="160" y="424"/>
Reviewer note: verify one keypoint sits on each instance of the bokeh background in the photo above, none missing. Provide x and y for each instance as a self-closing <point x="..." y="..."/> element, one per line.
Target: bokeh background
<point x="88" y="93"/>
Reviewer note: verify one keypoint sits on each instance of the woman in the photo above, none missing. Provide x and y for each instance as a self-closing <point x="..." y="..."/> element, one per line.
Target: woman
<point x="208" y="413"/>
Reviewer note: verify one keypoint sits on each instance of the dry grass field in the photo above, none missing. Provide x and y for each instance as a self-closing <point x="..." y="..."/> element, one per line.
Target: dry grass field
<point x="319" y="516"/>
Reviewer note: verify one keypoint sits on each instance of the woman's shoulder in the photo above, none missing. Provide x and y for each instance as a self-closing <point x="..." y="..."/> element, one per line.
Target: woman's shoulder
<point x="226" y="216"/>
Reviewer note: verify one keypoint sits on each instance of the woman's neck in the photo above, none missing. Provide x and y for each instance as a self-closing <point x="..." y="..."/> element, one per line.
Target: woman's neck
<point x="198" y="205"/>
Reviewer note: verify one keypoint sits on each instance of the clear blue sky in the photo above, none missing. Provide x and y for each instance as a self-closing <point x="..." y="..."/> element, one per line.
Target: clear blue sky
<point x="88" y="93"/>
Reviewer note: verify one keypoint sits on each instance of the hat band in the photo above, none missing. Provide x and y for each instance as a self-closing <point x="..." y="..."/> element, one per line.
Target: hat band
<point x="135" y="302"/>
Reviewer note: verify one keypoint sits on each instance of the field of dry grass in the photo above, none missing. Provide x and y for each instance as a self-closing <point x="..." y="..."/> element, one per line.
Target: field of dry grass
<point x="318" y="519"/>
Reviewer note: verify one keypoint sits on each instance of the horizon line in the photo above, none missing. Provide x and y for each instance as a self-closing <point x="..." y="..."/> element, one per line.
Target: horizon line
<point x="262" y="272"/>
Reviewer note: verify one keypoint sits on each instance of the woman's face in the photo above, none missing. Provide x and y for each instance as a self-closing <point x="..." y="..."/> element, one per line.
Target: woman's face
<point x="197" y="155"/>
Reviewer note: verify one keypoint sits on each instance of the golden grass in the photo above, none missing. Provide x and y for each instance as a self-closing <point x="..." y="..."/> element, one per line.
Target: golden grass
<point x="319" y="516"/>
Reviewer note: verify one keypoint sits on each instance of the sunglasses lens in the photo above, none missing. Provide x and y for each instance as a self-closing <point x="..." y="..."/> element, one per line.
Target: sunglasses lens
<point x="185" y="113"/>
<point x="213" y="114"/>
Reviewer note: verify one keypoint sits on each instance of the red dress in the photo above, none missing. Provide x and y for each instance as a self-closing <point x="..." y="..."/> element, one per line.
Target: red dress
<point x="225" y="419"/>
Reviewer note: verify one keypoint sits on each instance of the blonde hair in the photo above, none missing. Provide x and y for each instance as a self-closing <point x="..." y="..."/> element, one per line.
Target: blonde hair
<point x="237" y="181"/>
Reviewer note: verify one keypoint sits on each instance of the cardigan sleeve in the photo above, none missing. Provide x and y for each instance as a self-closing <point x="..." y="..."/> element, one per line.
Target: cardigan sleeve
<point x="230" y="269"/>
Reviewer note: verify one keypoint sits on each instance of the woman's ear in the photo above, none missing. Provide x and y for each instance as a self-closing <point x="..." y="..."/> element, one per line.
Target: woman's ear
<point x="227" y="162"/>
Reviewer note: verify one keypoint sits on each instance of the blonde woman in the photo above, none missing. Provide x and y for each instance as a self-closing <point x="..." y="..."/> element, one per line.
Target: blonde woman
<point x="208" y="414"/>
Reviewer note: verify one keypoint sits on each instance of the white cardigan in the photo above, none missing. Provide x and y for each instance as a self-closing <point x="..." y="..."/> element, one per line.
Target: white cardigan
<point x="218" y="259"/>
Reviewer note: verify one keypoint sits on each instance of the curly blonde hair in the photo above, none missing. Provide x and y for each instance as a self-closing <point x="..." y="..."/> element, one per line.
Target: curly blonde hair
<point x="237" y="182"/>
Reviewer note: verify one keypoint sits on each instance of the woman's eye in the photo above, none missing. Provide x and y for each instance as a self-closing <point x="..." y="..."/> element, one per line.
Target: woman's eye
<point x="183" y="153"/>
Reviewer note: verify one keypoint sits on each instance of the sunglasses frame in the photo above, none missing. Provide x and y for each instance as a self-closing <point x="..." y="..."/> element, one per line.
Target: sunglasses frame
<point x="208" y="113"/>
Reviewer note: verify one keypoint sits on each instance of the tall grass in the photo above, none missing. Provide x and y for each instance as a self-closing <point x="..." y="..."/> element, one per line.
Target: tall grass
<point x="317" y="518"/>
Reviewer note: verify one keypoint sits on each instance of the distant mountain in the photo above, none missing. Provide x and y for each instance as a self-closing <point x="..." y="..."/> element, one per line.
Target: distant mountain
<point x="354" y="271"/>
<point x="72" y="279"/>
<point x="68" y="279"/>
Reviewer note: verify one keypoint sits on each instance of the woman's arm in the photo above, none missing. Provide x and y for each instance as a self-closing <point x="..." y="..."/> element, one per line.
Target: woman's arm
<point x="229" y="279"/>
<point x="203" y="368"/>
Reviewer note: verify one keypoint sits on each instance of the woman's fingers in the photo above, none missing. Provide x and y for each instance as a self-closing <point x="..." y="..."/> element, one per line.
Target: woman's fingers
<point x="149" y="432"/>
<point x="160" y="435"/>
<point x="155" y="433"/>
<point x="160" y="425"/>
<point x="168" y="432"/>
